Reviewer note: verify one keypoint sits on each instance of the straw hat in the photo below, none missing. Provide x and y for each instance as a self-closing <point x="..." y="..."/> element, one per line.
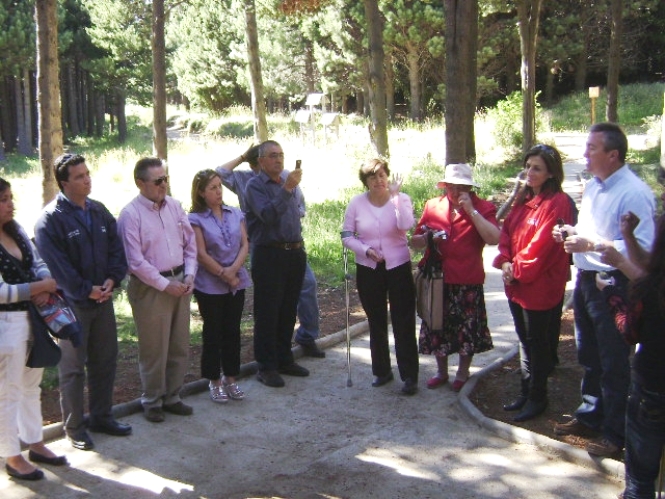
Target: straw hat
<point x="457" y="173"/>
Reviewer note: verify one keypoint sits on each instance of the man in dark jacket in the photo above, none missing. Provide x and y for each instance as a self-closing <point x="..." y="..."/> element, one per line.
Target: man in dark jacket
<point x="77" y="238"/>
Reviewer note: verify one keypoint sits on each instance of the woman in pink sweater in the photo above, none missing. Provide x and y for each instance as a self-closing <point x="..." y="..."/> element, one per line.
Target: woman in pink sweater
<point x="375" y="227"/>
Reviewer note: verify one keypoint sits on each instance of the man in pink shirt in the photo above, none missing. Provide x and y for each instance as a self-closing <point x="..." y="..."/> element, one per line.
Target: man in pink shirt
<point x="161" y="255"/>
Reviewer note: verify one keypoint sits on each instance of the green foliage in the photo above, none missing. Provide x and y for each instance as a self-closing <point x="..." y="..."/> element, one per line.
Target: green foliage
<point x="507" y="117"/>
<point x="636" y="102"/>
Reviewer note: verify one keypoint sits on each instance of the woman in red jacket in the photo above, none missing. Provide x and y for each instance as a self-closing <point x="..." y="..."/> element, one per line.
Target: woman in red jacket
<point x="535" y="270"/>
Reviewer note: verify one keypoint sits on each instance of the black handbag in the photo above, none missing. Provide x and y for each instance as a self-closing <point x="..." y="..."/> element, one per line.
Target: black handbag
<point x="44" y="351"/>
<point x="55" y="318"/>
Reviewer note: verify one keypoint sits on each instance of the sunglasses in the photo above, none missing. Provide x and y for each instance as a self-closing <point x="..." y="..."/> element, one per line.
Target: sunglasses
<point x="159" y="180"/>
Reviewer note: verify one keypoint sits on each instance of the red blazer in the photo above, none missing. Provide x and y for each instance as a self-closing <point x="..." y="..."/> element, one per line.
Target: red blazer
<point x="540" y="265"/>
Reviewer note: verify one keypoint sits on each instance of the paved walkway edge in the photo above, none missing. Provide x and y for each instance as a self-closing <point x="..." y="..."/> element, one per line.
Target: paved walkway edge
<point x="516" y="434"/>
<point x="56" y="430"/>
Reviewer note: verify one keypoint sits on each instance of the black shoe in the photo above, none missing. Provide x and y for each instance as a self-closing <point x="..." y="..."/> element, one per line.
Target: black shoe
<point x="179" y="408"/>
<point x="270" y="378"/>
<point x="53" y="461"/>
<point x="516" y="404"/>
<point x="530" y="410"/>
<point x="410" y="387"/>
<point x="154" y="414"/>
<point x="382" y="380"/>
<point x="293" y="370"/>
<point x="112" y="427"/>
<point x="312" y="350"/>
<point x="35" y="474"/>
<point x="80" y="439"/>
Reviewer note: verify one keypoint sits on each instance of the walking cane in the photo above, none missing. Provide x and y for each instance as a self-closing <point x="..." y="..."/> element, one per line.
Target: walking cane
<point x="347" y="278"/>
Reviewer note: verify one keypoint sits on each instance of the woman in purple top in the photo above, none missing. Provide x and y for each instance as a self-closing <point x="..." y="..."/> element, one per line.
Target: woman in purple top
<point x="375" y="226"/>
<point x="219" y="286"/>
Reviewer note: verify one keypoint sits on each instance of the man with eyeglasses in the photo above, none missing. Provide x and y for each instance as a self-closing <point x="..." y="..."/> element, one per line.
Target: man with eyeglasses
<point x="161" y="253"/>
<point x="278" y="263"/>
<point x="614" y="191"/>
<point x="308" y="306"/>
<point x="77" y="238"/>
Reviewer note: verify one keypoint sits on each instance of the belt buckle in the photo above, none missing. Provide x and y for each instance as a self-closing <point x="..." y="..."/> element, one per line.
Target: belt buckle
<point x="288" y="246"/>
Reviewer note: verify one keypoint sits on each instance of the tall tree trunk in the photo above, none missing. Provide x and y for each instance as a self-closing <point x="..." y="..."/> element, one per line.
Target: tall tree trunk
<point x="614" y="66"/>
<point x="255" y="76"/>
<point x="528" y="12"/>
<point x="390" y="86"/>
<point x="549" y="87"/>
<point x="24" y="146"/>
<point x="581" y="69"/>
<point x="120" y="101"/>
<point x="48" y="93"/>
<point x="70" y="91"/>
<point x="27" y="109"/>
<point x="309" y="65"/>
<point x="8" y="116"/>
<point x="159" y="143"/>
<point x="378" y="128"/>
<point x="100" y="106"/>
<point x="414" y="82"/>
<point x="460" y="103"/>
<point x="90" y="98"/>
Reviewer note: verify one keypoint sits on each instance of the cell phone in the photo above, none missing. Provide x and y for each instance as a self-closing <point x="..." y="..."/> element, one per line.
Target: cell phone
<point x="561" y="223"/>
<point x="298" y="163"/>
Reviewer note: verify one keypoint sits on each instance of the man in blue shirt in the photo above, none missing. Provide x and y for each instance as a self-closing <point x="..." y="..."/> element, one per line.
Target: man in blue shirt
<point x="308" y="305"/>
<point x="614" y="191"/>
<point x="278" y="263"/>
<point x="77" y="238"/>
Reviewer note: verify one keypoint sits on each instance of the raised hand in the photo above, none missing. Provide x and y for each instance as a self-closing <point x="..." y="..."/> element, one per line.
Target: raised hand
<point x="395" y="184"/>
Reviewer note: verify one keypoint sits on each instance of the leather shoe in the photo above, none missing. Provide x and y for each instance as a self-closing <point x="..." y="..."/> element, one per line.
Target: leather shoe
<point x="293" y="370"/>
<point x="80" y="439"/>
<point x="602" y="447"/>
<point x="112" y="427"/>
<point x="574" y="427"/>
<point x="410" y="387"/>
<point x="270" y="378"/>
<point x="154" y="414"/>
<point x="516" y="404"/>
<point x="35" y="474"/>
<point x="382" y="380"/>
<point x="35" y="457"/>
<point x="312" y="350"/>
<point x="179" y="408"/>
<point x="530" y="410"/>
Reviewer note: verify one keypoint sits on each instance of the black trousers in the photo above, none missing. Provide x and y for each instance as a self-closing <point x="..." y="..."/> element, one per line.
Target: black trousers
<point x="534" y="329"/>
<point x="221" y="316"/>
<point x="374" y="286"/>
<point x="277" y="275"/>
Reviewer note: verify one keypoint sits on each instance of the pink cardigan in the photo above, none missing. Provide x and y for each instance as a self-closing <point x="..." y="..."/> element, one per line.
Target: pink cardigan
<point x="383" y="229"/>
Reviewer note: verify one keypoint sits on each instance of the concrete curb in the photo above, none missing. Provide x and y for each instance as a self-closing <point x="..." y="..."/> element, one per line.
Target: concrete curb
<point x="511" y="433"/>
<point x="56" y="430"/>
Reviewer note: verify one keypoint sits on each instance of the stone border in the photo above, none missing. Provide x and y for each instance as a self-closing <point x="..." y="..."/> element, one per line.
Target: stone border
<point x="516" y="434"/>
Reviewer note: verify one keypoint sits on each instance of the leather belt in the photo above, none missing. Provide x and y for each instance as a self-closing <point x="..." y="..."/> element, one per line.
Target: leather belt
<point x="173" y="272"/>
<point x="286" y="246"/>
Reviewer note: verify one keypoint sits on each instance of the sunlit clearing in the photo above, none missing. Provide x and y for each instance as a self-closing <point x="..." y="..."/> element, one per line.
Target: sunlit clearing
<point x="146" y="480"/>
<point x="390" y="460"/>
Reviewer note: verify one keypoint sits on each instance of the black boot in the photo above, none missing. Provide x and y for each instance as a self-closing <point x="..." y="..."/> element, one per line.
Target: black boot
<point x="521" y="399"/>
<point x="531" y="409"/>
<point x="516" y="404"/>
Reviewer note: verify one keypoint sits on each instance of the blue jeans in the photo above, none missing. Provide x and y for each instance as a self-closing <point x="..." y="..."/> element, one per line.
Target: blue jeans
<point x="604" y="356"/>
<point x="645" y="437"/>
<point x="308" y="310"/>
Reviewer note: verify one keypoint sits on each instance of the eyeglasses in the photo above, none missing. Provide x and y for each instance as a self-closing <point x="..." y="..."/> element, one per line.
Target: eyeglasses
<point x="159" y="180"/>
<point x="275" y="155"/>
